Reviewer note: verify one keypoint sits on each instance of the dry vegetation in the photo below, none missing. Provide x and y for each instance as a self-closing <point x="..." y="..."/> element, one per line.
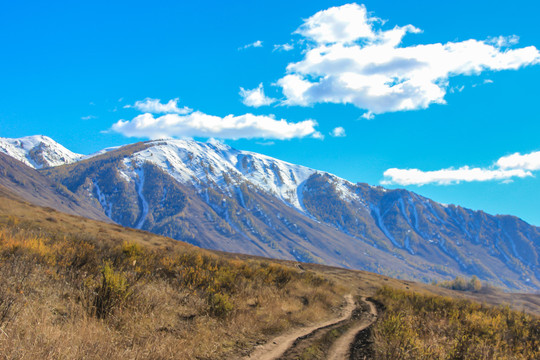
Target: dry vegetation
<point x="66" y="295"/>
<point x="80" y="289"/>
<point x="416" y="326"/>
<point x="460" y="284"/>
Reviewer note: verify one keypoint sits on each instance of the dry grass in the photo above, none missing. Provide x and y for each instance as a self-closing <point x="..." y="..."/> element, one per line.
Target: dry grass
<point x="415" y="326"/>
<point x="66" y="295"/>
<point x="160" y="298"/>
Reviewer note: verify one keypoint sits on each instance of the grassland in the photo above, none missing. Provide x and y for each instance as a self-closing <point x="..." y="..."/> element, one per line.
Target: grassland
<point x="75" y="288"/>
<point x="418" y="326"/>
<point x="100" y="294"/>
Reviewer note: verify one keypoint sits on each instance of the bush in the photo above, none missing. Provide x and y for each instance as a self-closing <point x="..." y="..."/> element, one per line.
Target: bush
<point x="461" y="284"/>
<point x="220" y="304"/>
<point x="7" y="302"/>
<point x="111" y="294"/>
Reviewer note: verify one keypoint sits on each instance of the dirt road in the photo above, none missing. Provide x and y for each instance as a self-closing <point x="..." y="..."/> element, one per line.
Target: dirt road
<point x="276" y="347"/>
<point x="341" y="347"/>
<point x="286" y="343"/>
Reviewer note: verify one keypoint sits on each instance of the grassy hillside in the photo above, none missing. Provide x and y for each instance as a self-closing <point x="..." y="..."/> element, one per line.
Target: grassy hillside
<point x="76" y="288"/>
<point x="417" y="326"/>
<point x="110" y="293"/>
<point x="20" y="180"/>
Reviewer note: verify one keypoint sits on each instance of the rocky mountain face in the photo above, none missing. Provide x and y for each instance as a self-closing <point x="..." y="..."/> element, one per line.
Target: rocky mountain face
<point x="221" y="198"/>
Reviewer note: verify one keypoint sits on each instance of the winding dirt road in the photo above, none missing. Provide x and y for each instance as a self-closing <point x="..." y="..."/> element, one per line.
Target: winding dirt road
<point x="278" y="346"/>
<point x="341" y="347"/>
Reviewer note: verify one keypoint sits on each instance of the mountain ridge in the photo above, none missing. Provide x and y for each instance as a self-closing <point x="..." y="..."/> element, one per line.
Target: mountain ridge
<point x="214" y="196"/>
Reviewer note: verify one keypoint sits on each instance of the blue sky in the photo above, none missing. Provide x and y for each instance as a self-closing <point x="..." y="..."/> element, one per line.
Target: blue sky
<point x="467" y="98"/>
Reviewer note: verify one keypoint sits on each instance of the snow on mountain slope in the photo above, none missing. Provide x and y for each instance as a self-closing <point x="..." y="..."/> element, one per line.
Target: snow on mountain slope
<point x="189" y="162"/>
<point x="216" y="164"/>
<point x="38" y="151"/>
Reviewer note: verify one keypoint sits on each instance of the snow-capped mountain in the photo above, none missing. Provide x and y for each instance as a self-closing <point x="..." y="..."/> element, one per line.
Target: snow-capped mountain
<point x="217" y="197"/>
<point x="38" y="151"/>
<point x="218" y="165"/>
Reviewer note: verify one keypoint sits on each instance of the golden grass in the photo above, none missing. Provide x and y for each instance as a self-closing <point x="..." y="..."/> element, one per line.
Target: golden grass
<point x="168" y="299"/>
<point x="416" y="326"/>
<point x="75" y="296"/>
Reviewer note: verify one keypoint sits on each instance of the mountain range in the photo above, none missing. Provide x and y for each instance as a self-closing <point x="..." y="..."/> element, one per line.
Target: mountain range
<point x="217" y="197"/>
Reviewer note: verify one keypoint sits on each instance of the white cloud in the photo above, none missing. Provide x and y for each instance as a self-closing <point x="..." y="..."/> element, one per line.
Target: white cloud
<point x="344" y="24"/>
<point x="283" y="47"/>
<point x="368" y="115"/>
<point x="338" y="132"/>
<point x="449" y="176"/>
<point x="255" y="44"/>
<point x="198" y="124"/>
<point x="255" y="97"/>
<point x="455" y="89"/>
<point x="349" y="59"/>
<point x="266" y="143"/>
<point x="155" y="106"/>
<point x="89" y="117"/>
<point x="529" y="161"/>
<point x="505" y="169"/>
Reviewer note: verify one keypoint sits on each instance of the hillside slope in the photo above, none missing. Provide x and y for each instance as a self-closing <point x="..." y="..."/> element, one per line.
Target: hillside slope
<point x="22" y="182"/>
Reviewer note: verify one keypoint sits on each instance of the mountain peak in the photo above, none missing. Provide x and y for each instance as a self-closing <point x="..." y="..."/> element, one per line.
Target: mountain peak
<point x="38" y="151"/>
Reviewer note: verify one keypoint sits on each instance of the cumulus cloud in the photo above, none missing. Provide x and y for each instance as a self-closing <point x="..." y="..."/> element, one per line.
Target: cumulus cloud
<point x="198" y="124"/>
<point x="338" y="132"/>
<point x="255" y="97"/>
<point x="505" y="168"/>
<point x="155" y="106"/>
<point x="350" y="59"/>
<point x="344" y="24"/>
<point x="529" y="161"/>
<point x="255" y="44"/>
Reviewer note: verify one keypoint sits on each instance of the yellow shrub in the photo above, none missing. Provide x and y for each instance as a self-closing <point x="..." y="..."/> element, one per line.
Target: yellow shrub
<point x="112" y="293"/>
